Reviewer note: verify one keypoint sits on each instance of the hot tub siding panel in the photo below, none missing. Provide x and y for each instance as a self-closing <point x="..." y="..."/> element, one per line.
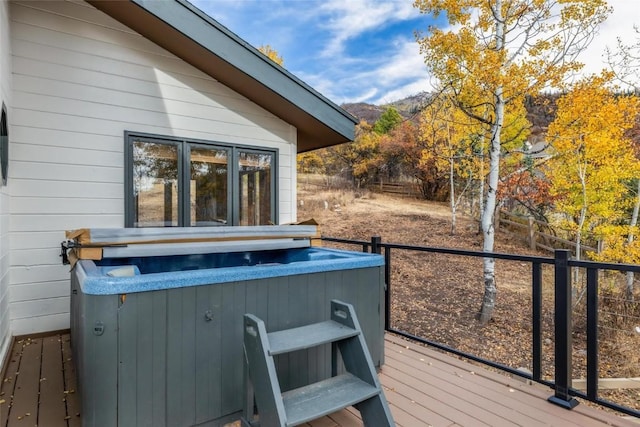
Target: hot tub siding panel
<point x="174" y="357"/>
<point x="97" y="357"/>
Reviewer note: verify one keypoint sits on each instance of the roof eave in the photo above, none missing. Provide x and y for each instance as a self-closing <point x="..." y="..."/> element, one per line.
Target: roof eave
<point x="196" y="38"/>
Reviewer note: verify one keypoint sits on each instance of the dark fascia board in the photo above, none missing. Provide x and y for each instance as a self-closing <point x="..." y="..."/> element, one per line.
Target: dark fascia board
<point x="198" y="39"/>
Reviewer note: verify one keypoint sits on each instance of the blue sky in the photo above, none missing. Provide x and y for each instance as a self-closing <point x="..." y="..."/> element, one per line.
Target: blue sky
<point x="363" y="50"/>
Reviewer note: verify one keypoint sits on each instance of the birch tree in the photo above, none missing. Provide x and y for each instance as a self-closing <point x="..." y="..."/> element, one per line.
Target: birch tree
<point x="447" y="145"/>
<point x="494" y="53"/>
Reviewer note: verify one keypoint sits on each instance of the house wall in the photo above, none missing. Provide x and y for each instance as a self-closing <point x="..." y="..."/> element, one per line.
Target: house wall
<point x="80" y="80"/>
<point x="5" y="96"/>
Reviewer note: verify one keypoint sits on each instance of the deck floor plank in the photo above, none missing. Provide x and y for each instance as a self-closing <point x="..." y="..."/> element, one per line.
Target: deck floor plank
<point x="509" y="394"/>
<point x="24" y="405"/>
<point x="463" y="391"/>
<point x="415" y="402"/>
<point x="322" y="422"/>
<point x="345" y="418"/>
<point x="52" y="409"/>
<point x="72" y="397"/>
<point x="7" y="386"/>
<point x="424" y="387"/>
<point x="447" y="387"/>
<point x="481" y="381"/>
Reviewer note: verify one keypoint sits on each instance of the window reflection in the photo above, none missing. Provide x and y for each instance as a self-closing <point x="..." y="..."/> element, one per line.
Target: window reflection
<point x="209" y="186"/>
<point x="180" y="183"/>
<point x="255" y="188"/>
<point x="155" y="184"/>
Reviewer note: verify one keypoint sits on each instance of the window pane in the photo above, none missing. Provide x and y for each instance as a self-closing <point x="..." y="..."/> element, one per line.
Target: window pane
<point x="208" y="186"/>
<point x="155" y="184"/>
<point x="255" y="188"/>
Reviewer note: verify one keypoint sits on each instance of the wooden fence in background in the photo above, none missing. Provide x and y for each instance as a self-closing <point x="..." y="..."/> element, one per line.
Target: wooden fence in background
<point x="531" y="232"/>
<point x="404" y="189"/>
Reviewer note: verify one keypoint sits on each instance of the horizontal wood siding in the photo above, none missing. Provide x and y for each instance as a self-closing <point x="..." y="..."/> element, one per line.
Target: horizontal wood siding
<point x="5" y="94"/>
<point x="81" y="79"/>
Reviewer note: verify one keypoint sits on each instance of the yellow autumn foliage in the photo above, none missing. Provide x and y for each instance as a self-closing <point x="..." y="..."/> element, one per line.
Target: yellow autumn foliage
<point x="593" y="160"/>
<point x="272" y="54"/>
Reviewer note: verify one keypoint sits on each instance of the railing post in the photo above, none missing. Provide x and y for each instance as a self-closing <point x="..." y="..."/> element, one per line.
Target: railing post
<point x="375" y="245"/>
<point x="376" y="248"/>
<point x="387" y="288"/>
<point x="536" y="315"/>
<point x="592" y="334"/>
<point x="562" y="320"/>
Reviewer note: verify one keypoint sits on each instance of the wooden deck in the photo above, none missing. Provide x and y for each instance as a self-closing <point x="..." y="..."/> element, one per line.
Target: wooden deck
<point x="423" y="387"/>
<point x="39" y="385"/>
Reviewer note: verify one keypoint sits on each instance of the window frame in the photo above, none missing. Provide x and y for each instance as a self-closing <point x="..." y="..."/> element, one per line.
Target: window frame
<point x="184" y="158"/>
<point x="4" y="146"/>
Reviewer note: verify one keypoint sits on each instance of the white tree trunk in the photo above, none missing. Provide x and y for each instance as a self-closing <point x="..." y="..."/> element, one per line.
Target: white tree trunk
<point x="575" y="277"/>
<point x="488" y="231"/>
<point x="452" y="196"/>
<point x="481" y="197"/>
<point x="582" y="174"/>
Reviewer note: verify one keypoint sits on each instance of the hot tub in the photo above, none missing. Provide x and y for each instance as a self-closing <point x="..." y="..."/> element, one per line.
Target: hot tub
<point x="158" y="339"/>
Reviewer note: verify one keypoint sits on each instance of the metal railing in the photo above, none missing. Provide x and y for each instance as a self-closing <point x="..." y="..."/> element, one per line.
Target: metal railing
<point x="562" y="264"/>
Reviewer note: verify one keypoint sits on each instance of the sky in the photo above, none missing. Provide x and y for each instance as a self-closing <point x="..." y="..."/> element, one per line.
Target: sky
<point x="366" y="50"/>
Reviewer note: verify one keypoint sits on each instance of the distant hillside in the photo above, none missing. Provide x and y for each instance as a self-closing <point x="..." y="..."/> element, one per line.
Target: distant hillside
<point x="363" y="111"/>
<point x="541" y="111"/>
<point x="407" y="107"/>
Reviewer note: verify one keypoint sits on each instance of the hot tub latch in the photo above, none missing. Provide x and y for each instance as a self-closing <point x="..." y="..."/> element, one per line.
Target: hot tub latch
<point x="98" y="328"/>
<point x="208" y="315"/>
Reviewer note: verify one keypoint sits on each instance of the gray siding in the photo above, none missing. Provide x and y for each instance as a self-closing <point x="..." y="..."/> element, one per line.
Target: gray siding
<point x="80" y="80"/>
<point x="176" y="368"/>
<point x="5" y="96"/>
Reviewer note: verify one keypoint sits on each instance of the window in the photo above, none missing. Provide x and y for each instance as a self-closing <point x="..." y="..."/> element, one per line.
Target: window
<point x="4" y="145"/>
<point x="187" y="183"/>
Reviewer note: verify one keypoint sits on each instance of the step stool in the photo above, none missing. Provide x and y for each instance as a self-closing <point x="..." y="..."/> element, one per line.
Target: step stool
<point x="358" y="386"/>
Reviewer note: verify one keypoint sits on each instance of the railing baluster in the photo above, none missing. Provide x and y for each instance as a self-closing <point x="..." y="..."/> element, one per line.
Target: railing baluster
<point x="562" y="320"/>
<point x="592" y="333"/>
<point x="387" y="289"/>
<point x="536" y="317"/>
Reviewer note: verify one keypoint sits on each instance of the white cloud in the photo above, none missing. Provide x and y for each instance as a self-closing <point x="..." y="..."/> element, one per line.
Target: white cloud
<point x="402" y="74"/>
<point x="412" y="88"/>
<point x="405" y="63"/>
<point x="350" y="18"/>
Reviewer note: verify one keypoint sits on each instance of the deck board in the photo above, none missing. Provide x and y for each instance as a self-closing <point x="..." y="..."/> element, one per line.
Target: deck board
<point x="424" y="387"/>
<point x="72" y="399"/>
<point x="27" y="382"/>
<point x="34" y="389"/>
<point x="7" y="385"/>
<point x="510" y="393"/>
<point x="52" y="406"/>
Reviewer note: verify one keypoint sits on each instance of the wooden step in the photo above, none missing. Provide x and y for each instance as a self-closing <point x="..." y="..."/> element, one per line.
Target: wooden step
<point x="325" y="397"/>
<point x="308" y="336"/>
